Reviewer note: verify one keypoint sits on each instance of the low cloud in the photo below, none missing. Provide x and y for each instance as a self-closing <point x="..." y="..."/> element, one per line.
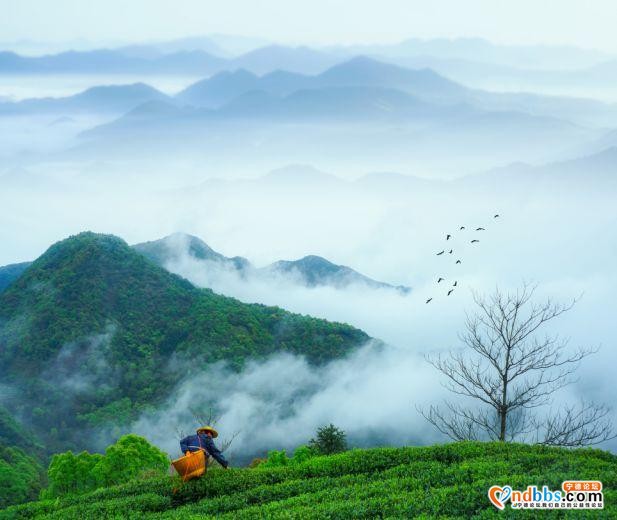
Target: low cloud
<point x="280" y="402"/>
<point x="81" y="366"/>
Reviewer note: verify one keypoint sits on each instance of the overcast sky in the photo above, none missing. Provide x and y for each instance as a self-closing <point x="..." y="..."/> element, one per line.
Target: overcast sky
<point x="588" y="24"/>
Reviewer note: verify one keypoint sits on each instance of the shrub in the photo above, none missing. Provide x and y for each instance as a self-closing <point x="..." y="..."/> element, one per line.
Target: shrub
<point x="69" y="473"/>
<point x="275" y="458"/>
<point x="129" y="458"/>
<point x="302" y="454"/>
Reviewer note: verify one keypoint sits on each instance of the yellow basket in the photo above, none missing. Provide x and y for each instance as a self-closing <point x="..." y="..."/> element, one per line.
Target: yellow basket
<point x="192" y="465"/>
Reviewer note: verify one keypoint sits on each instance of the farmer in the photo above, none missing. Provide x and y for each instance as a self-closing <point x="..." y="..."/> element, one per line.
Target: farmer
<point x="203" y="441"/>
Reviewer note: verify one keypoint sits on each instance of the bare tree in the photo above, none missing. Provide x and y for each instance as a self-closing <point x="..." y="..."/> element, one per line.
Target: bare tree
<point x="507" y="369"/>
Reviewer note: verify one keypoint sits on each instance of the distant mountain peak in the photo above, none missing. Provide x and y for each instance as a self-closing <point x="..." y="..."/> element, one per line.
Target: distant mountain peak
<point x="177" y="246"/>
<point x="364" y="68"/>
<point x="134" y="91"/>
<point x="316" y="271"/>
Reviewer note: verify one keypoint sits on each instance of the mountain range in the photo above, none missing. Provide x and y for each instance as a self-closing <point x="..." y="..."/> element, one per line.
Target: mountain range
<point x="361" y="89"/>
<point x="359" y="71"/>
<point x="310" y="271"/>
<point x="93" y="333"/>
<point x="144" y="59"/>
<point x="239" y="92"/>
<point x="206" y="53"/>
<point x="105" y="61"/>
<point x="111" y="98"/>
<point x="377" y="115"/>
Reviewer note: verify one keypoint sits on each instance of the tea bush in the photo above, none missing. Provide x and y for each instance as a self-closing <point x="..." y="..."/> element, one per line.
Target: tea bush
<point x="445" y="481"/>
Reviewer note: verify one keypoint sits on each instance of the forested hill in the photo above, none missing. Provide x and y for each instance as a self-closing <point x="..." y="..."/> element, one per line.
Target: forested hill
<point x="93" y="333"/>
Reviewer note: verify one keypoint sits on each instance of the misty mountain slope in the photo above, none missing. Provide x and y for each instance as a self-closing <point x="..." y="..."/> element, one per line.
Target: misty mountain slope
<point x="315" y="271"/>
<point x="294" y="59"/>
<point x="93" y="333"/>
<point x="335" y="103"/>
<point x="221" y="45"/>
<point x="105" y="61"/>
<point x="544" y="57"/>
<point x="365" y="71"/>
<point x="311" y="271"/>
<point x="369" y="127"/>
<point x="432" y="86"/>
<point x="227" y="85"/>
<point x="418" y="80"/>
<point x="9" y="273"/>
<point x="594" y="171"/>
<point x="188" y="58"/>
<point x="357" y="72"/>
<point x="173" y="247"/>
<point x="393" y="103"/>
<point x="219" y="89"/>
<point x="371" y="105"/>
<point x="112" y="98"/>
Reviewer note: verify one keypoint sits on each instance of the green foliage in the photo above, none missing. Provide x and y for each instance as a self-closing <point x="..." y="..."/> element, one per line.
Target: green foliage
<point x="302" y="454"/>
<point x="129" y="458"/>
<point x="275" y="459"/>
<point x="446" y="481"/>
<point x="113" y="318"/>
<point x="21" y="476"/>
<point x="10" y="273"/>
<point x="329" y="440"/>
<point x="279" y="458"/>
<point x="15" y="435"/>
<point x="69" y="473"/>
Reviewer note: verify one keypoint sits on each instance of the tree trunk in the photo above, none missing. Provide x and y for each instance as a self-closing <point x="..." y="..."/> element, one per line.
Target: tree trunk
<point x="502" y="428"/>
<point x="503" y="410"/>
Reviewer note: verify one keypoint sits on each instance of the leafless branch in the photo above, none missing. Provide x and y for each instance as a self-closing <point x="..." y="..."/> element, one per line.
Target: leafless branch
<point x="584" y="425"/>
<point x="509" y="368"/>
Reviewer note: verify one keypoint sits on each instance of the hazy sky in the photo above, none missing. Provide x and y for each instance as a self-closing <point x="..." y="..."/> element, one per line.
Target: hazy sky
<point x="587" y="24"/>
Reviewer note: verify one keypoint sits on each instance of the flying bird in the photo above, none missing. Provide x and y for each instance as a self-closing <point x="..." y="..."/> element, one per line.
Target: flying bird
<point x="496" y="215"/>
<point x="458" y="261"/>
<point x="450" y="292"/>
<point x="451" y="251"/>
<point x="441" y="252"/>
<point x="475" y="240"/>
<point x="480" y="229"/>
<point x="448" y="237"/>
<point x="462" y="227"/>
<point x="427" y="301"/>
<point x="440" y="280"/>
<point x="455" y="282"/>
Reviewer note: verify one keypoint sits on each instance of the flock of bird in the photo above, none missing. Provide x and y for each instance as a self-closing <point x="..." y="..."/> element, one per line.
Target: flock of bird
<point x="458" y="260"/>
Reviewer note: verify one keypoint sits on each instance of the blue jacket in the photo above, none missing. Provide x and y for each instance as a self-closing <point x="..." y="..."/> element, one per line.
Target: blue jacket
<point x="195" y="443"/>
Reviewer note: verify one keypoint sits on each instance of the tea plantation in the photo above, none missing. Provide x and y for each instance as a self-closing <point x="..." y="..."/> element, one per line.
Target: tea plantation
<point x="443" y="481"/>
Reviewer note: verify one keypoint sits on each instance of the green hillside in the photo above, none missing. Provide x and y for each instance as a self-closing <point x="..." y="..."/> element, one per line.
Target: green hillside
<point x="8" y="273"/>
<point x="92" y="334"/>
<point x="446" y="481"/>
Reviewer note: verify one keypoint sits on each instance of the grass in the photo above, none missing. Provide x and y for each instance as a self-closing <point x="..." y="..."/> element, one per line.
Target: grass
<point x="443" y="481"/>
